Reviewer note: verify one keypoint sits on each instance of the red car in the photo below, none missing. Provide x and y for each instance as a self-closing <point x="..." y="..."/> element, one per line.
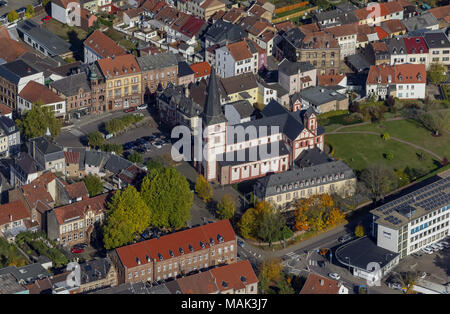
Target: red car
<point x="77" y="250"/>
<point x="47" y="18"/>
<point x="129" y="109"/>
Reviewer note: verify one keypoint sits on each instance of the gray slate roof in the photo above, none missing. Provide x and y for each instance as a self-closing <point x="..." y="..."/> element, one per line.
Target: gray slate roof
<point x="253" y="154"/>
<point x="116" y="164"/>
<point x="54" y="44"/>
<point x="158" y="61"/>
<point x="136" y="288"/>
<point x="28" y="273"/>
<point x="225" y="31"/>
<point x="420" y="21"/>
<point x="14" y="71"/>
<point x="213" y="113"/>
<point x="70" y="86"/>
<point x="298" y="179"/>
<point x="291" y="68"/>
<point x="319" y="95"/>
<point x="94" y="270"/>
<point x="436" y="40"/>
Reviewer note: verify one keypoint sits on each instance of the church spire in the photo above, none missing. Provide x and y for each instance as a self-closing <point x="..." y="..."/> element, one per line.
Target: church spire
<point x="213" y="110"/>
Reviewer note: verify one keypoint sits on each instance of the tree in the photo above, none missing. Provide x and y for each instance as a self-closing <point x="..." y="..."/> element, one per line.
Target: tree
<point x="390" y="103"/>
<point x="29" y="12"/>
<point x="12" y="16"/>
<point x="203" y="188"/>
<point x="34" y="122"/>
<point x="93" y="184"/>
<point x="251" y="219"/>
<point x="96" y="139"/>
<point x="386" y="136"/>
<point x="168" y="196"/>
<point x="284" y="287"/>
<point x="436" y="73"/>
<point x="359" y="231"/>
<point x="335" y="216"/>
<point x="127" y="217"/>
<point x="379" y="180"/>
<point x="110" y="147"/>
<point x="226" y="207"/>
<point x="272" y="269"/>
<point x="389" y="156"/>
<point x="270" y="227"/>
<point x="434" y="121"/>
<point x="136" y="157"/>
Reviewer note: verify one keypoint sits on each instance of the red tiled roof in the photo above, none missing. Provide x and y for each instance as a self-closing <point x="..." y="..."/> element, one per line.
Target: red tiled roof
<point x="398" y="74"/>
<point x="309" y="28"/>
<point x="218" y="15"/>
<point x="415" y="45"/>
<point x="320" y="40"/>
<point x="201" y="69"/>
<point x="201" y="283"/>
<point x="329" y="79"/>
<point x="285" y="26"/>
<point x="182" y="239"/>
<point x="316" y="284"/>
<point x="235" y="276"/>
<point x="36" y="193"/>
<point x="10" y="49"/>
<point x="76" y="190"/>
<point x="4" y="109"/>
<point x="393" y="26"/>
<point x="72" y="157"/>
<point x="64" y="3"/>
<point x="103" y="45"/>
<point x="343" y="30"/>
<point x="375" y="11"/>
<point x="35" y="92"/>
<point x="379" y="46"/>
<point x="239" y="50"/>
<point x="12" y="212"/>
<point x="192" y="26"/>
<point x="118" y="66"/>
<point x="78" y="209"/>
<point x="392" y="7"/>
<point x="440" y="12"/>
<point x="257" y="10"/>
<point x="233" y="15"/>
<point x="382" y="34"/>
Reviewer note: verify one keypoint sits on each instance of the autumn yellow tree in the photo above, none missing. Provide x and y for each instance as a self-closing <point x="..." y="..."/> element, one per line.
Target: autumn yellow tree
<point x="203" y="188"/>
<point x="334" y="217"/>
<point x="272" y="269"/>
<point x="251" y="219"/>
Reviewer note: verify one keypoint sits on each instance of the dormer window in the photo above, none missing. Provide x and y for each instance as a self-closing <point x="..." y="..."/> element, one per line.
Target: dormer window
<point x="419" y="77"/>
<point x="400" y="77"/>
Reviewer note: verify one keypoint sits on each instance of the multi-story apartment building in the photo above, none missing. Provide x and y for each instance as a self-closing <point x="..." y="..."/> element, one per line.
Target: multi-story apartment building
<point x="379" y="12"/>
<point x="176" y="254"/>
<point x="347" y="37"/>
<point x="157" y="69"/>
<point x="14" y="76"/>
<point x="4" y="149"/>
<point x="12" y="132"/>
<point x="416" y="220"/>
<point x="123" y="81"/>
<point x="74" y="223"/>
<point x="322" y="50"/>
<point x="417" y="50"/>
<point x="235" y="59"/>
<point x="296" y="76"/>
<point x="34" y="93"/>
<point x="48" y="154"/>
<point x="439" y="47"/>
<point x="204" y="9"/>
<point x="13" y="218"/>
<point x="97" y="274"/>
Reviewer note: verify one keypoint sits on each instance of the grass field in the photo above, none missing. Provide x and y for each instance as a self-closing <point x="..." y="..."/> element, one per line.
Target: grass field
<point x="410" y="131"/>
<point x="361" y="150"/>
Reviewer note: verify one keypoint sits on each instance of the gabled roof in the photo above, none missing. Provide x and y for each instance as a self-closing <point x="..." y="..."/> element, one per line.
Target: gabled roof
<point x="36" y="193"/>
<point x="201" y="69"/>
<point x="14" y="71"/>
<point x="71" y="85"/>
<point x="35" y="92"/>
<point x="157" y="61"/>
<point x="76" y="190"/>
<point x="239" y="50"/>
<point x="78" y="209"/>
<point x="121" y="65"/>
<point x="397" y="74"/>
<point x="422" y="21"/>
<point x="292" y="68"/>
<point x="415" y="45"/>
<point x="239" y="83"/>
<point x="72" y="157"/>
<point x="316" y="284"/>
<point x="103" y="45"/>
<point x="440" y="12"/>
<point x="154" y="248"/>
<point x="234" y="276"/>
<point x="393" y="26"/>
<point x="13" y="211"/>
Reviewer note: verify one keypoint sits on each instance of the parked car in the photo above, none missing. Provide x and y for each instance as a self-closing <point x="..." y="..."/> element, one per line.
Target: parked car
<point x="129" y="145"/>
<point x="140" y="141"/>
<point x="142" y="107"/>
<point x="334" y="276"/>
<point x="445" y="244"/>
<point x="416" y="254"/>
<point x="240" y="243"/>
<point x="46" y="18"/>
<point x="141" y="150"/>
<point x="129" y="109"/>
<point x="439" y="245"/>
<point x="157" y="144"/>
<point x="345" y="238"/>
<point x="434" y="247"/>
<point x="427" y="250"/>
<point x="21" y="10"/>
<point x="77" y="250"/>
<point x="423" y="275"/>
<point x="395" y="285"/>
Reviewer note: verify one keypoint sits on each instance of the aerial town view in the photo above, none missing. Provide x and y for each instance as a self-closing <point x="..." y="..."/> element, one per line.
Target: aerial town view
<point x="252" y="147"/>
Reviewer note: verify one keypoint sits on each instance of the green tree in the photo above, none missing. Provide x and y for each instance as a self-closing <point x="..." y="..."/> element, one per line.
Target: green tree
<point x="379" y="180"/>
<point x="359" y="231"/>
<point x="153" y="164"/>
<point x="12" y="16"/>
<point x="93" y="184"/>
<point x="436" y="73"/>
<point x="270" y="227"/>
<point x="34" y="122"/>
<point x="127" y="217"/>
<point x="247" y="224"/>
<point x="168" y="196"/>
<point x="389" y="156"/>
<point x="203" y="188"/>
<point x="136" y="157"/>
<point x="29" y="11"/>
<point x="96" y="139"/>
<point x="284" y="287"/>
<point x="386" y="136"/>
<point x="226" y="207"/>
<point x="434" y="121"/>
<point x="110" y="147"/>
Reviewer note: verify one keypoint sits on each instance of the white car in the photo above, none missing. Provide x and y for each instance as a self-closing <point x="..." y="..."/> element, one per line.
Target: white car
<point x="445" y="244"/>
<point x="434" y="247"/>
<point x="157" y="144"/>
<point x="335" y="276"/>
<point x="142" y="107"/>
<point x="427" y="250"/>
<point x="423" y="275"/>
<point x="439" y="245"/>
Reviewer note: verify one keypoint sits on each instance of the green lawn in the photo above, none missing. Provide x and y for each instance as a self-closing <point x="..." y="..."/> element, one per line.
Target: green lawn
<point x="410" y="131"/>
<point x="361" y="150"/>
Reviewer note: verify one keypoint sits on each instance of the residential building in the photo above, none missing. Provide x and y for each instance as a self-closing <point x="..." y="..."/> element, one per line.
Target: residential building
<point x="74" y="166"/>
<point x="419" y="22"/>
<point x="322" y="99"/>
<point x="240" y="87"/>
<point x="10" y="285"/>
<point x="204" y="9"/>
<point x="23" y="169"/>
<point x="417" y="51"/>
<point x="317" y="284"/>
<point x="322" y="50"/>
<point x="222" y="33"/>
<point x="179" y="253"/>
<point x="43" y="40"/>
<point x="404" y="81"/>
<point x="74" y="223"/>
<point x="123" y="81"/>
<point x="201" y="70"/>
<point x="185" y="74"/>
<point x="98" y="46"/>
<point x="12" y="132"/>
<point x="235" y="59"/>
<point x="295" y="76"/>
<point x="346" y="36"/>
<point x="87" y="19"/>
<point x="317" y="175"/>
<point x="35" y="93"/>
<point x="5" y="111"/>
<point x="97" y="274"/>
<point x="441" y="13"/>
<point x="377" y="53"/>
<point x="27" y="274"/>
<point x="65" y="11"/>
<point x="333" y="18"/>
<point x="13" y="216"/>
<point x="97" y="6"/>
<point x="48" y="154"/>
<point x="397" y="50"/>
<point x="393" y="27"/>
<point x="4" y="149"/>
<point x="14" y="76"/>
<point x="132" y="16"/>
<point x="439" y="47"/>
<point x="155" y="70"/>
<point x="376" y="13"/>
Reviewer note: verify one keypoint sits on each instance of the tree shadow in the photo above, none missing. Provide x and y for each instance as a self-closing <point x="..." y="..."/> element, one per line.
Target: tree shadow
<point x="76" y="45"/>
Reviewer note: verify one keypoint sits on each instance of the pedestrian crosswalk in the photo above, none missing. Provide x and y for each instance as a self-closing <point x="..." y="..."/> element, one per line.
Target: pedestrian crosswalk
<point x="76" y="132"/>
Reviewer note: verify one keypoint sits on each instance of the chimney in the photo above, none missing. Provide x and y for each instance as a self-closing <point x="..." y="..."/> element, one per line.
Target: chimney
<point x="10" y="218"/>
<point x="321" y="282"/>
<point x="186" y="92"/>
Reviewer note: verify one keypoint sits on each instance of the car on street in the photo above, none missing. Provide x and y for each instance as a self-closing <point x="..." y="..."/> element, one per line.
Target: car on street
<point x="334" y="276"/>
<point x="427" y="250"/>
<point x="77" y="250"/>
<point x="46" y="18"/>
<point x="142" y="107"/>
<point x="240" y="243"/>
<point x="345" y="238"/>
<point x="129" y="109"/>
<point x="157" y="144"/>
<point x="423" y="275"/>
<point x="21" y="10"/>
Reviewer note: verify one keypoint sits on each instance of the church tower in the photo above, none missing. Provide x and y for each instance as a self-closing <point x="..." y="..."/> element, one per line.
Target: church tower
<point x="214" y="129"/>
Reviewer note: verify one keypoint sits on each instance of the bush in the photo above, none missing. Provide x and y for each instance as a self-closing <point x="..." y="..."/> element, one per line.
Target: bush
<point x="117" y="148"/>
<point x="355" y="117"/>
<point x="389" y="156"/>
<point x="386" y="136"/>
